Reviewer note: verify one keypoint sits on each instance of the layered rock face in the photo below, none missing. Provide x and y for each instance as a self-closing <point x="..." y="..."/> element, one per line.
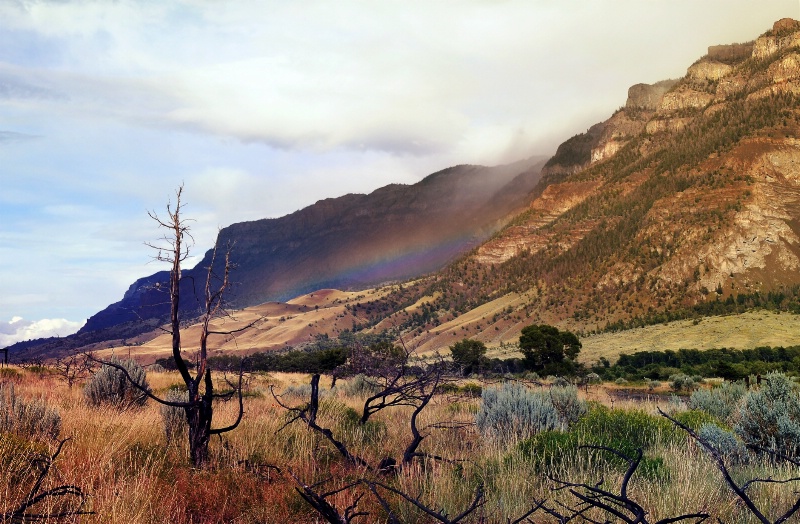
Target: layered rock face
<point x="715" y="157"/>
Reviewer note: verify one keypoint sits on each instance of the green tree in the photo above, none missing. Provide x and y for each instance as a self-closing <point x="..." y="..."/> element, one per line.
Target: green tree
<point x="468" y="354"/>
<point x="545" y="345"/>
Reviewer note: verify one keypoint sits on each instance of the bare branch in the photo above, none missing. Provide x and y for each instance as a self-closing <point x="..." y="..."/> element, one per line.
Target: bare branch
<point x="308" y="414"/>
<point x="478" y="501"/>
<point x="740" y="491"/>
<point x="619" y="505"/>
<point x="327" y="510"/>
<point x="35" y="496"/>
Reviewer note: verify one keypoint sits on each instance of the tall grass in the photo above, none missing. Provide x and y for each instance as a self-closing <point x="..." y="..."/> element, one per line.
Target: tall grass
<point x="121" y="459"/>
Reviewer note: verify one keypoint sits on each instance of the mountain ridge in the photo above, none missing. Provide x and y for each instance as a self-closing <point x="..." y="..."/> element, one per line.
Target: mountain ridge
<point x="355" y="240"/>
<point x="684" y="197"/>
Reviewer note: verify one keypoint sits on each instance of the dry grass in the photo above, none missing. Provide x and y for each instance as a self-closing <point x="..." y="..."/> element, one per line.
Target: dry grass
<point x="748" y="330"/>
<point x="123" y="462"/>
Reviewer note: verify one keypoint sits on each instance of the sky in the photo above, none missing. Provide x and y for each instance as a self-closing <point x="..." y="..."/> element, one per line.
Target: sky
<point x="260" y="108"/>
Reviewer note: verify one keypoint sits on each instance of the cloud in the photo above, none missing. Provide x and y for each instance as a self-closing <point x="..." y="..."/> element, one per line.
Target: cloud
<point x="317" y="76"/>
<point x="19" y="329"/>
<point x="262" y="107"/>
<point x="11" y="136"/>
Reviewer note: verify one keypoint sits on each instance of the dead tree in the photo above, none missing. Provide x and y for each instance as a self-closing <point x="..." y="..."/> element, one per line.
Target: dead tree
<point x="200" y="386"/>
<point x="61" y="501"/>
<point x="308" y="414"/>
<point x="73" y="368"/>
<point x="326" y="509"/>
<point x="440" y="516"/>
<point x="617" y="505"/>
<point x="741" y="489"/>
<point x="397" y="384"/>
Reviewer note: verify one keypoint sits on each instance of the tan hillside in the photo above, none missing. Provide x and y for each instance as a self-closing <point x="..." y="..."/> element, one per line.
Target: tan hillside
<point x="275" y="325"/>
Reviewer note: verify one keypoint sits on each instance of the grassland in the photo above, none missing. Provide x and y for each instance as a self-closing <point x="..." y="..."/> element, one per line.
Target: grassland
<point x="122" y="460"/>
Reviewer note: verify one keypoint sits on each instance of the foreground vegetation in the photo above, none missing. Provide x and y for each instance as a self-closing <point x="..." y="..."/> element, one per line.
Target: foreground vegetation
<point x="129" y="467"/>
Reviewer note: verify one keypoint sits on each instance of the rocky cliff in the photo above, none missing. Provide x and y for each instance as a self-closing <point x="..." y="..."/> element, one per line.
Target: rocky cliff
<point x="687" y="195"/>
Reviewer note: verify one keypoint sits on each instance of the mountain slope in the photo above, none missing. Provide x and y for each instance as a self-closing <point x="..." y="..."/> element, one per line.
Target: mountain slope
<point x="353" y="241"/>
<point x="686" y="196"/>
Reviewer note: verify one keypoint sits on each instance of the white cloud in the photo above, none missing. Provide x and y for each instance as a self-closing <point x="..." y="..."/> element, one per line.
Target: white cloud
<point x="404" y="78"/>
<point x="18" y="329"/>
<point x="261" y="107"/>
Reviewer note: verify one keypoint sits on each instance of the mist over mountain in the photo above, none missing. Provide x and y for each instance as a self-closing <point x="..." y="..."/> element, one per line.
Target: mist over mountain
<point x="353" y="241"/>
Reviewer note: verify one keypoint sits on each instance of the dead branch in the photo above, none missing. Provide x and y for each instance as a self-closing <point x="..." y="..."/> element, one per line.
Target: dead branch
<point x="308" y="414"/>
<point x="740" y="491"/>
<point x="73" y="368"/>
<point x="72" y="499"/>
<point x="477" y="501"/>
<point x="319" y="501"/>
<point x="619" y="505"/>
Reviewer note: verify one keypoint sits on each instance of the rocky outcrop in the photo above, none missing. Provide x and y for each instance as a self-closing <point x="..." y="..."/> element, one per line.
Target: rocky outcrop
<point x="647" y="96"/>
<point x="708" y="71"/>
<point x="643" y="100"/>
<point x="784" y="35"/>
<point x="730" y="53"/>
<point x="553" y="202"/>
<point x="685" y="98"/>
<point x="667" y="125"/>
<point x="785" y="69"/>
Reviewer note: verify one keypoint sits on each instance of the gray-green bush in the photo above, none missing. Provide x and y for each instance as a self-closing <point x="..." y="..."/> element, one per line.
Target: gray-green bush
<point x="769" y="417"/>
<point x="722" y="402"/>
<point x="109" y="385"/>
<point x="725" y="442"/>
<point x="513" y="411"/>
<point x="174" y="418"/>
<point x="569" y="407"/>
<point x="681" y="382"/>
<point x="359" y="386"/>
<point x="31" y="417"/>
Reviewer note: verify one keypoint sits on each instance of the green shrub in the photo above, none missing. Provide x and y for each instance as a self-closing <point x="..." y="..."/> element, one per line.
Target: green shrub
<point x="722" y="402"/>
<point x="34" y="417"/>
<point x="569" y="407"/>
<point x="373" y="431"/>
<point x="625" y="430"/>
<point x="549" y="448"/>
<point x="471" y="389"/>
<point x="681" y="382"/>
<point x="770" y="417"/>
<point x="725" y="442"/>
<point x="694" y="418"/>
<point x="512" y="411"/>
<point x="9" y="374"/>
<point x="174" y="418"/>
<point x="360" y="386"/>
<point x="109" y="385"/>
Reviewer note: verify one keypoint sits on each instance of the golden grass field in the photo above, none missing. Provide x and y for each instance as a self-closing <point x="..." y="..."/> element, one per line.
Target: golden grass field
<point x="122" y="460"/>
<point x="278" y="325"/>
